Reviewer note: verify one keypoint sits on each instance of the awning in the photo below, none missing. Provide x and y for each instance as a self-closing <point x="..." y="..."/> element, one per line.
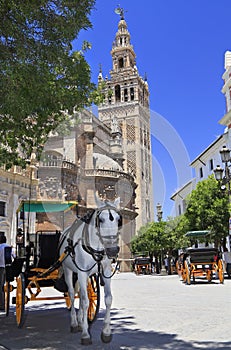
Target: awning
<point x="195" y="234"/>
<point x="45" y="206"/>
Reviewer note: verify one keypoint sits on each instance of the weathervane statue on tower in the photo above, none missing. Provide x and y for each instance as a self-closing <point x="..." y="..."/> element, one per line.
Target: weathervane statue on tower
<point x="120" y="11"/>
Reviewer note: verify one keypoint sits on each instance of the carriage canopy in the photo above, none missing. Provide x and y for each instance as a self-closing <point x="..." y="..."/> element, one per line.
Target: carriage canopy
<point x="45" y="206"/>
<point x="197" y="234"/>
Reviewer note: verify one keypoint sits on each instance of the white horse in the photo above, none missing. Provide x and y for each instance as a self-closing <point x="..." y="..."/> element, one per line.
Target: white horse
<point x="91" y="247"/>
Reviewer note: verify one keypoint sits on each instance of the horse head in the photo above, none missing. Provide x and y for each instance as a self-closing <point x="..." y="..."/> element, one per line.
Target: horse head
<point x="108" y="222"/>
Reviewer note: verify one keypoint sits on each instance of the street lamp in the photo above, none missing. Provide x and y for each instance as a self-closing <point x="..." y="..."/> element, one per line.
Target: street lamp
<point x="225" y="180"/>
<point x="159" y="212"/>
<point x="159" y="218"/>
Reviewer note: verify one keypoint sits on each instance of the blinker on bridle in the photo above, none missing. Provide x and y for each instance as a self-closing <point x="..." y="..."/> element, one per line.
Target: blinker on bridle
<point x="111" y="217"/>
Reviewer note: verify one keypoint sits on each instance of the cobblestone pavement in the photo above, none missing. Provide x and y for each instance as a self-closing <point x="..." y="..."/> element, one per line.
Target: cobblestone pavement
<point x="148" y="312"/>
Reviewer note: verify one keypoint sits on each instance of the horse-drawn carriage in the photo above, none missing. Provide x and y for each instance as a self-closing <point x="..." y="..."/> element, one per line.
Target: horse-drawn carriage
<point x="83" y="252"/>
<point x="200" y="260"/>
<point x="37" y="265"/>
<point x="142" y="265"/>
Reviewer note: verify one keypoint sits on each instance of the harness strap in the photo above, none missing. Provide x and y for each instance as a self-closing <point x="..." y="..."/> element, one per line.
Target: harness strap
<point x="96" y="254"/>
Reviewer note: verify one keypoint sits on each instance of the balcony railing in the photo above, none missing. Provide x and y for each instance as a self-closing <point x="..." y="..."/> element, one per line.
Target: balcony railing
<point x="58" y="163"/>
<point x="107" y="173"/>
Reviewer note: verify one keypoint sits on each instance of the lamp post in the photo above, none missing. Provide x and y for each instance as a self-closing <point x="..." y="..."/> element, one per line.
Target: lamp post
<point x="159" y="212"/>
<point x="225" y="181"/>
<point x="159" y="219"/>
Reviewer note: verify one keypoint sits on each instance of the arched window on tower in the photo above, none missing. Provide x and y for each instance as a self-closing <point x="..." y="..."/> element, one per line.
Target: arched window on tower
<point x="121" y="62"/>
<point x="132" y="96"/>
<point x="126" y="95"/>
<point x="117" y="93"/>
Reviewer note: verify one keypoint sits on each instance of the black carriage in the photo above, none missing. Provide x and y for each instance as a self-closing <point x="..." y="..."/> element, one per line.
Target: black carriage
<point x="142" y="265"/>
<point x="200" y="260"/>
<point x="37" y="264"/>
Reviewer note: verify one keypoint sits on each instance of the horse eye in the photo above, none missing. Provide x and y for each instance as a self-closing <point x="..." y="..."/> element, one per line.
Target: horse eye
<point x="101" y="220"/>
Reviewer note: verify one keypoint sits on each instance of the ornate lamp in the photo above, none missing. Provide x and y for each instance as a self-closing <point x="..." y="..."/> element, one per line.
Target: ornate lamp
<point x="225" y="154"/>
<point x="218" y="172"/>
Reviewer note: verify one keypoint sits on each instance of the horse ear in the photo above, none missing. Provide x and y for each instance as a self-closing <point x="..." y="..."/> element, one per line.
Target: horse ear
<point x="98" y="201"/>
<point x="117" y="202"/>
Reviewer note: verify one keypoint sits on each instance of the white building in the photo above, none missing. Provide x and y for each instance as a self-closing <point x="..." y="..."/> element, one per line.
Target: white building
<point x="205" y="163"/>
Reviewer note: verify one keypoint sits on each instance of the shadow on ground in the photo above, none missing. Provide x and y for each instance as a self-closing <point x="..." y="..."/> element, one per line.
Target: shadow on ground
<point x="48" y="329"/>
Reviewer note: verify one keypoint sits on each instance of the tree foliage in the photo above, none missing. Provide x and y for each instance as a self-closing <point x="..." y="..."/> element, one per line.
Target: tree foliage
<point x="208" y="209"/>
<point x="149" y="238"/>
<point x="41" y="77"/>
<point x="175" y="231"/>
<point x="156" y="237"/>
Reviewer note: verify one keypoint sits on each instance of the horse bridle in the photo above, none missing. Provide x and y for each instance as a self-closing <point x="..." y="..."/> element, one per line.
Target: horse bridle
<point x="98" y="254"/>
<point x="97" y="223"/>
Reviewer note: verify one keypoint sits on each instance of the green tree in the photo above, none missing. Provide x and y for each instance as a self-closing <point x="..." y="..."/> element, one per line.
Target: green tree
<point x="174" y="234"/>
<point x="208" y="209"/>
<point x="149" y="238"/>
<point x="159" y="238"/>
<point x="42" y="80"/>
<point x="164" y="236"/>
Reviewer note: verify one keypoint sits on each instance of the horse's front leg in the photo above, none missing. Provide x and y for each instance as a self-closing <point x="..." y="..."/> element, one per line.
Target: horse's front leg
<point x="106" y="335"/>
<point x="69" y="281"/>
<point x="83" y="310"/>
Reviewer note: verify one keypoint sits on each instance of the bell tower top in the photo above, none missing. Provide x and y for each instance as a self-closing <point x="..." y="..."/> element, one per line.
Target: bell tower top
<point x="125" y="85"/>
<point x="122" y="52"/>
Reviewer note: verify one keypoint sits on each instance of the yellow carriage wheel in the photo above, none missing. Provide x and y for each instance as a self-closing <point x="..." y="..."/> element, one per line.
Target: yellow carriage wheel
<point x="93" y="290"/>
<point x="209" y="275"/>
<point x="20" y="300"/>
<point x="220" y="271"/>
<point x="187" y="273"/>
<point x="178" y="269"/>
<point x="183" y="274"/>
<point x="7" y="290"/>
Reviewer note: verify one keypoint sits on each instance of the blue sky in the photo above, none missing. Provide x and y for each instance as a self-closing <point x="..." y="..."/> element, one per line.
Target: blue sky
<point x="180" y="44"/>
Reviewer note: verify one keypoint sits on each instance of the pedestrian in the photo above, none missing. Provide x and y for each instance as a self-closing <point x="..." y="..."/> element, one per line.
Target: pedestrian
<point x="227" y="260"/>
<point x="166" y="264"/>
<point x="3" y="245"/>
<point x="153" y="264"/>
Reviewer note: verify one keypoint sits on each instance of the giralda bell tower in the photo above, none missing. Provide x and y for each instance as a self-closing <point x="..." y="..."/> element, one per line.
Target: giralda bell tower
<point x="127" y="100"/>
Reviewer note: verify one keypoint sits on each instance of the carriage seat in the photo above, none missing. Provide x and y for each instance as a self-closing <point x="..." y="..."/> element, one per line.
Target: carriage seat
<point x="48" y="244"/>
<point x="202" y="255"/>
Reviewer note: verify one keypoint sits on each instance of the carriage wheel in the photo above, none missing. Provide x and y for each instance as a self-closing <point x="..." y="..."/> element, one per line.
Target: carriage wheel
<point x="20" y="300"/>
<point x="183" y="274"/>
<point x="93" y="290"/>
<point x="7" y="289"/>
<point x="220" y="271"/>
<point x="178" y="269"/>
<point x="187" y="273"/>
<point x="209" y="276"/>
